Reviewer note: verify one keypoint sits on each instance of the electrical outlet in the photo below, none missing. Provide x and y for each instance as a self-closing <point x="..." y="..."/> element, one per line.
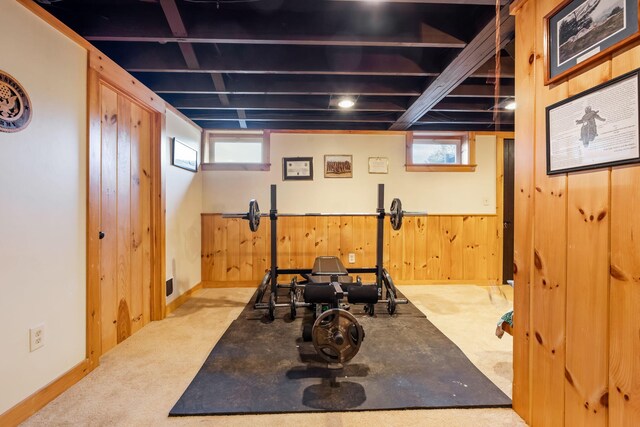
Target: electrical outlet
<point x="485" y="201"/>
<point x="36" y="337"/>
<point x="352" y="258"/>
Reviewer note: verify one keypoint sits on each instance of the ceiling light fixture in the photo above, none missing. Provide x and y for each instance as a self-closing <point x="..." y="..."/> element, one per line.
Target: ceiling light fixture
<point x="511" y="105"/>
<point x="346" y="103"/>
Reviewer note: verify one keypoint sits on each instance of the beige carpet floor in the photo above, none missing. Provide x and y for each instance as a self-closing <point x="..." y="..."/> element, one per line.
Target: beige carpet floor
<point x="138" y="382"/>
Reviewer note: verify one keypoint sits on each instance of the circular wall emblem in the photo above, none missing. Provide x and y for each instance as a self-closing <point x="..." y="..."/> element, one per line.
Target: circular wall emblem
<point x="15" y="106"/>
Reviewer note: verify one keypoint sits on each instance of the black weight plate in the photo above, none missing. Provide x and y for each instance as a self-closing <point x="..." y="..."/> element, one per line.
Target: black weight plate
<point x="254" y="215"/>
<point x="396" y="214"/>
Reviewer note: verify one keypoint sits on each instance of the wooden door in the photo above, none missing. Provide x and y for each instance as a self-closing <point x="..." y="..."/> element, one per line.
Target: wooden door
<point x="507" y="241"/>
<point x="125" y="217"/>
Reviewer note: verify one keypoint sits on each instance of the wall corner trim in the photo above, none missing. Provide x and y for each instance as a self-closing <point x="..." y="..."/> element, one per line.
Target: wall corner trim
<point x="46" y="394"/>
<point x="173" y="305"/>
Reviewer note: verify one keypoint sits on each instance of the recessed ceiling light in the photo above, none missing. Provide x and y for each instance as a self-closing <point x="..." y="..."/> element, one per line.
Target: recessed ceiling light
<point x="510" y="106"/>
<point x="346" y="103"/>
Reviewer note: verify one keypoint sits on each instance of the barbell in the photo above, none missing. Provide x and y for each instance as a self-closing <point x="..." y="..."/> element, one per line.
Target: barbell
<point x="396" y="214"/>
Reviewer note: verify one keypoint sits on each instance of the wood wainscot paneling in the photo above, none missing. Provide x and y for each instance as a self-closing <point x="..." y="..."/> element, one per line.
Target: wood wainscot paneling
<point x="624" y="296"/>
<point x="587" y="284"/>
<point x="523" y="212"/>
<point x="548" y="290"/>
<point x="428" y="249"/>
<point x="579" y="363"/>
<point x="126" y="251"/>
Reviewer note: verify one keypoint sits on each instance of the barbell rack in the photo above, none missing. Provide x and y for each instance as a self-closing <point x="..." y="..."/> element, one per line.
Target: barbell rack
<point x="271" y="278"/>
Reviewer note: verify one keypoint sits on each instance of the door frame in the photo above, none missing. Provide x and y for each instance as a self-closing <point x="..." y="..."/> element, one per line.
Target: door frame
<point x="506" y="267"/>
<point x="500" y="137"/>
<point x="99" y="75"/>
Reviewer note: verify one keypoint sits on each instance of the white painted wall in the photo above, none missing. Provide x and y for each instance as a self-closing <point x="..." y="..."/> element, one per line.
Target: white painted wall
<point x="184" y="205"/>
<point x="434" y="192"/>
<point x="42" y="207"/>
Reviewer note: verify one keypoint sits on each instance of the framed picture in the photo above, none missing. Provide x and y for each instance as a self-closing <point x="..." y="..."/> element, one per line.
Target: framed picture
<point x="338" y="166"/>
<point x="378" y="165"/>
<point x="297" y="168"/>
<point x="579" y="32"/>
<point x="184" y="156"/>
<point x="596" y="128"/>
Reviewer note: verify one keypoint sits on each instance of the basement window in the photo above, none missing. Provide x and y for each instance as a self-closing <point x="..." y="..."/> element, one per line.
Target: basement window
<point x="235" y="151"/>
<point x="440" y="152"/>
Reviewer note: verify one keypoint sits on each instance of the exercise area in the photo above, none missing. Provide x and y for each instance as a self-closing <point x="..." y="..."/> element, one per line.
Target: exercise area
<point x="328" y="289"/>
<point x="322" y="213"/>
<point x="303" y="342"/>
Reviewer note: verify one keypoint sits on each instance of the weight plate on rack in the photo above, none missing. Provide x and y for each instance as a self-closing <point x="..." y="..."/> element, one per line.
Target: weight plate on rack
<point x="272" y="307"/>
<point x="391" y="303"/>
<point x="263" y="286"/>
<point x="254" y="215"/>
<point x="293" y="298"/>
<point x="396" y="214"/>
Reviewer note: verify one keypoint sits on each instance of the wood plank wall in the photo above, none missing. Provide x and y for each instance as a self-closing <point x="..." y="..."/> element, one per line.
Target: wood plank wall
<point x="125" y="287"/>
<point x="429" y="249"/>
<point x="577" y="299"/>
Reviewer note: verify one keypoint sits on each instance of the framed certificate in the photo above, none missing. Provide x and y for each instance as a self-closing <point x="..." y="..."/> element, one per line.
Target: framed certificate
<point x="297" y="168"/>
<point x="378" y="165"/>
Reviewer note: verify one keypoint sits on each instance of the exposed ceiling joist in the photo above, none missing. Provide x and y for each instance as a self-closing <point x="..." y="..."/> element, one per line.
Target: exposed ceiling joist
<point x="465" y="107"/>
<point x="243" y="119"/>
<point x="171" y="12"/>
<point x="253" y="103"/>
<point x="284" y="64"/>
<point x="488" y="69"/>
<point x="346" y="25"/>
<point x="477" y="53"/>
<point x="282" y="104"/>
<point x="333" y="63"/>
<point x="295" y="125"/>
<point x="370" y="65"/>
<point x="189" y="56"/>
<point x="480" y="91"/>
<point x="308" y="85"/>
<point x="272" y="85"/>
<point x="301" y="119"/>
<point x="333" y="126"/>
<point x="329" y="119"/>
<point x="221" y="90"/>
<point x="332" y="120"/>
<point x="425" y="36"/>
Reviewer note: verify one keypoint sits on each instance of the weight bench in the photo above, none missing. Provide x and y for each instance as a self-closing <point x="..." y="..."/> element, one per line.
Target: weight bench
<point x="326" y="266"/>
<point x="330" y="281"/>
<point x="328" y="289"/>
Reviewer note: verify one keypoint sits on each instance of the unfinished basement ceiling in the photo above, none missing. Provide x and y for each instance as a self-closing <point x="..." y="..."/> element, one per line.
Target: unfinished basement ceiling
<point x="285" y="64"/>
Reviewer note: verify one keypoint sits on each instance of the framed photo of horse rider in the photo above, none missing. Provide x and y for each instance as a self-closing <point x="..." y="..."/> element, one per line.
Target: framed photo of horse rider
<point x="597" y="128"/>
<point x="580" y="32"/>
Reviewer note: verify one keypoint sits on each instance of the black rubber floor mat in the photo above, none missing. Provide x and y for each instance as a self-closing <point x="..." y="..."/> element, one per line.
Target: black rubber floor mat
<point x="404" y="362"/>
